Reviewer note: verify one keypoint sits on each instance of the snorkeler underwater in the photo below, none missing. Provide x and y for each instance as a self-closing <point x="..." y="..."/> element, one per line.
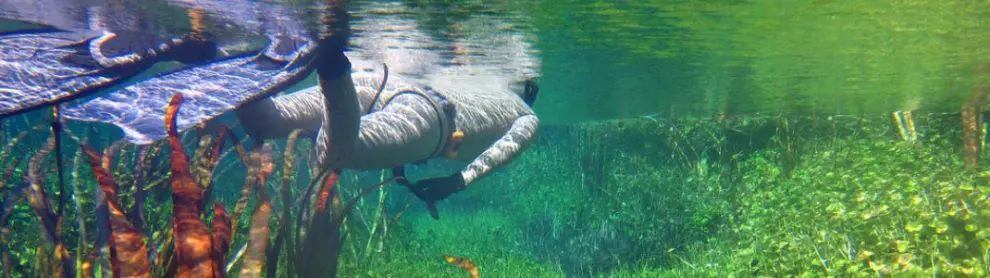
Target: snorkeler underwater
<point x="574" y="138"/>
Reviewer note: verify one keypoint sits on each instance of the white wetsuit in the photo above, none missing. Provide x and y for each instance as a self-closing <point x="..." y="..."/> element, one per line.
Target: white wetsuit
<point x="408" y="122"/>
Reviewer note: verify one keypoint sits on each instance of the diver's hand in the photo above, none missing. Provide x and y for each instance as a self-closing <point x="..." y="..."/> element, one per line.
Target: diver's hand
<point x="332" y="41"/>
<point x="331" y="63"/>
<point x="436" y="189"/>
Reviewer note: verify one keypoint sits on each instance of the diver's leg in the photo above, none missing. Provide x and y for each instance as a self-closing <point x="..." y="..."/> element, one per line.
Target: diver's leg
<point x="276" y="117"/>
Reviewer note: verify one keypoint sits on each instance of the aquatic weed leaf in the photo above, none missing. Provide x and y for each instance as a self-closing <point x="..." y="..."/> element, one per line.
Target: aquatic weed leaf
<point x="39" y="202"/>
<point x="249" y="184"/>
<point x="8" y="197"/>
<point x="286" y="195"/>
<point x="192" y="238"/>
<point x="37" y="199"/>
<point x="208" y="155"/>
<point x="82" y="261"/>
<point x="972" y="127"/>
<point x="199" y="165"/>
<point x="222" y="236"/>
<point x="261" y="161"/>
<point x="16" y="160"/>
<point x="326" y="191"/>
<point x="254" y="260"/>
<point x="322" y="238"/>
<point x="11" y="195"/>
<point x="4" y="256"/>
<point x="128" y="251"/>
<point x="146" y="155"/>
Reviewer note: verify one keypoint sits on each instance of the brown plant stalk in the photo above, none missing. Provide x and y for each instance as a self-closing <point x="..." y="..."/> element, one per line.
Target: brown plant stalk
<point x="192" y="238"/>
<point x="38" y="201"/>
<point x="322" y="244"/>
<point x="288" y="171"/>
<point x="222" y="236"/>
<point x="128" y="251"/>
<point x="254" y="259"/>
<point x="249" y="181"/>
<point x="261" y="161"/>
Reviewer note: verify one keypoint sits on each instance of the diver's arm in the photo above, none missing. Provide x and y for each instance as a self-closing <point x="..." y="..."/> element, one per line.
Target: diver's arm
<point x="519" y="136"/>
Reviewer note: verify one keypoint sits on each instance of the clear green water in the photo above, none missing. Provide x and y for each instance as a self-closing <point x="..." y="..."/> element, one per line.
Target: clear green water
<point x="679" y="139"/>
<point x="623" y="59"/>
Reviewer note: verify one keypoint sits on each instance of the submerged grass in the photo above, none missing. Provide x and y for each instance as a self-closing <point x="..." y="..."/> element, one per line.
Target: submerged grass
<point x="747" y="196"/>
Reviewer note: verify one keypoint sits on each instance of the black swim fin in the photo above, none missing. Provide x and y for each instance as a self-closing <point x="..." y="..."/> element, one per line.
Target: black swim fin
<point x="432" y="207"/>
<point x="49" y="66"/>
<point x="211" y="89"/>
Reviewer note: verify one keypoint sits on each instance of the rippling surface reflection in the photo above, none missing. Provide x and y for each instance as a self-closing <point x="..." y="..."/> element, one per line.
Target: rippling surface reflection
<point x="606" y="59"/>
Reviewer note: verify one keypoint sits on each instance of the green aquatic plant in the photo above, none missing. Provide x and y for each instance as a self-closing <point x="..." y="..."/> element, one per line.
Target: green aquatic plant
<point x="723" y="196"/>
<point x="50" y="219"/>
<point x="860" y="206"/>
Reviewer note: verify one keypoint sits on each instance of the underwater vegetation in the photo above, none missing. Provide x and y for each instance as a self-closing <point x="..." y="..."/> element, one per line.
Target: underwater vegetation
<point x="749" y="196"/>
<point x="132" y="236"/>
<point x="742" y="196"/>
<point x="799" y="193"/>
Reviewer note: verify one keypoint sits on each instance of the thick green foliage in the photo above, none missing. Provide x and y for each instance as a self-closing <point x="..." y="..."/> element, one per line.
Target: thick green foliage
<point x="768" y="196"/>
<point x="865" y="207"/>
<point x="764" y="197"/>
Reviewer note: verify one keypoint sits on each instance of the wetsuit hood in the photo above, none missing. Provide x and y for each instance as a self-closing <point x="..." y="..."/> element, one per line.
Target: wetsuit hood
<point x="529" y="92"/>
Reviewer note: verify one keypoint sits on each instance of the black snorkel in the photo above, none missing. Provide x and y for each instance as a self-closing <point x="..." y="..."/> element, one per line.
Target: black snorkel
<point x="530" y="91"/>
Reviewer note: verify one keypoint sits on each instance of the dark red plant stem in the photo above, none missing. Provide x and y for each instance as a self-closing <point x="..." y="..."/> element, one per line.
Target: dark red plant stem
<point x="57" y="133"/>
<point x="192" y="238"/>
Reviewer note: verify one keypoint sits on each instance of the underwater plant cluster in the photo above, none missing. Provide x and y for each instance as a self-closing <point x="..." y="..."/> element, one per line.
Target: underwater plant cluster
<point x="747" y="196"/>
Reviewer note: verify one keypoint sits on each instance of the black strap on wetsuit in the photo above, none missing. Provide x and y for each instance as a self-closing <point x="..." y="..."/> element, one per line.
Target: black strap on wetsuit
<point x="381" y="88"/>
<point x="446" y="114"/>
